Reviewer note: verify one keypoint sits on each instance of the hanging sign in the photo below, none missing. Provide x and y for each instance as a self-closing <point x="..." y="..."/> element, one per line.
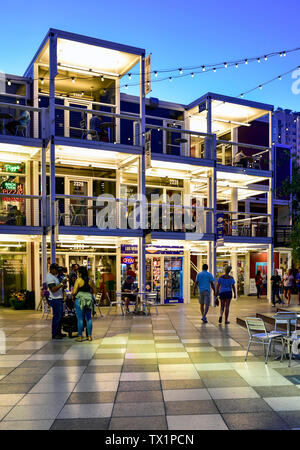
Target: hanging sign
<point x="148" y="149"/>
<point x="220" y="229"/>
<point x="148" y="74"/>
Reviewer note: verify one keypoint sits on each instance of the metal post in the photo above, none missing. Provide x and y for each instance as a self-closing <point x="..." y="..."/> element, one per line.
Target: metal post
<point x="52" y="73"/>
<point x="271" y="212"/>
<point x="142" y="178"/>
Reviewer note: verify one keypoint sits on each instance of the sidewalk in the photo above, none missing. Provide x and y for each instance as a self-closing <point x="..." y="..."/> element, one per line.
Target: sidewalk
<point x="169" y="371"/>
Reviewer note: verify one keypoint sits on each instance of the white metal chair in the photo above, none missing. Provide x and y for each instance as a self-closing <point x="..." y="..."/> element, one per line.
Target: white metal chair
<point x="150" y="301"/>
<point x="259" y="335"/>
<point x="117" y="302"/>
<point x="97" y="303"/>
<point x="46" y="308"/>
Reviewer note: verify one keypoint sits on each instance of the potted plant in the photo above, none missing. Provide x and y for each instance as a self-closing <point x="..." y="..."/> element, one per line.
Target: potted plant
<point x="17" y="300"/>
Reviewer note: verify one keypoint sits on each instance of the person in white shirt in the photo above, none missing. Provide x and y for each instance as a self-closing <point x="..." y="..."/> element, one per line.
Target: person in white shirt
<point x="56" y="300"/>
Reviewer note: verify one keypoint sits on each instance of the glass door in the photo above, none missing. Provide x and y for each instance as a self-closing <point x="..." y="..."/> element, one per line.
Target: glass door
<point x="77" y="122"/>
<point x="173" y="279"/>
<point x="78" y="208"/>
<point x="83" y="260"/>
<point x="153" y="275"/>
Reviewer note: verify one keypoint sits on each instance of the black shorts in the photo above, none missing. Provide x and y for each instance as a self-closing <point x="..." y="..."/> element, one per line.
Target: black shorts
<point x="225" y="295"/>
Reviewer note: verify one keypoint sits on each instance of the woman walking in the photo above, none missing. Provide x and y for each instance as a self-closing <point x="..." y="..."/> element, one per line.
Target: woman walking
<point x="83" y="291"/>
<point x="225" y="287"/>
<point x="276" y="281"/>
<point x="289" y="285"/>
<point x="258" y="282"/>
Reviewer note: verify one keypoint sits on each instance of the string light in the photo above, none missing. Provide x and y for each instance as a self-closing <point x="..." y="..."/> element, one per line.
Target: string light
<point x="260" y="87"/>
<point x="279" y="78"/>
<point x="246" y="61"/>
<point x="42" y="80"/>
<point x="236" y="65"/>
<point x="225" y="65"/>
<point x="215" y="69"/>
<point x="203" y="68"/>
<point x="155" y="74"/>
<point x="170" y="79"/>
<point x="180" y="71"/>
<point x="192" y="74"/>
<point x="102" y="78"/>
<point x="265" y="57"/>
<point x="73" y="79"/>
<point x="129" y="76"/>
<point x="258" y="60"/>
<point x="8" y="83"/>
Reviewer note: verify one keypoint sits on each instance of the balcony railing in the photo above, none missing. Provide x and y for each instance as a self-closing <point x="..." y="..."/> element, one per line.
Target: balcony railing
<point x="79" y="211"/>
<point x="95" y="125"/>
<point x="247" y="156"/>
<point x="282" y="235"/>
<point x="20" y="210"/>
<point x="245" y="224"/>
<point x="20" y="120"/>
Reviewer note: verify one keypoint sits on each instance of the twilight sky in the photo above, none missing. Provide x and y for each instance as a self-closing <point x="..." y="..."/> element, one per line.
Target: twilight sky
<point x="178" y="34"/>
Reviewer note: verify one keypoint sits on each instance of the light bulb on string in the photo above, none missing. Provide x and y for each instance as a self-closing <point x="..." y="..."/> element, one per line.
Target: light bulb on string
<point x="260" y="87"/>
<point x="155" y="74"/>
<point x="266" y="57"/>
<point x="215" y="69"/>
<point x="73" y="79"/>
<point x="42" y="80"/>
<point x="246" y="61"/>
<point x="236" y="65"/>
<point x="180" y="71"/>
<point x="279" y="78"/>
<point x="8" y="83"/>
<point x="170" y="79"/>
<point x="192" y="74"/>
<point x="102" y="78"/>
<point x="203" y="68"/>
<point x="225" y="65"/>
<point x="258" y="60"/>
<point x="129" y="76"/>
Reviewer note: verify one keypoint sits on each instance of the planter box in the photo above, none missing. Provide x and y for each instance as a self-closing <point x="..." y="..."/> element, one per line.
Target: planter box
<point x="17" y="304"/>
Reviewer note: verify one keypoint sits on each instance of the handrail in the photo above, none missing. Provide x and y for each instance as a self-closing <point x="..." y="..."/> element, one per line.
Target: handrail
<point x="179" y="130"/>
<point x="33" y="197"/>
<point x="244" y="213"/>
<point x="96" y="112"/>
<point x="240" y="144"/>
<point x="14" y="106"/>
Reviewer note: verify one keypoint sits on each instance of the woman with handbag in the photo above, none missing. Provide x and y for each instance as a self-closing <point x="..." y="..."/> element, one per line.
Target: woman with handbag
<point x="84" y="291"/>
<point x="225" y="287"/>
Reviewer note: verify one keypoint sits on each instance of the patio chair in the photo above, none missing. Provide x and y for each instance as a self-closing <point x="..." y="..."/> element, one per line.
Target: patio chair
<point x="150" y="301"/>
<point x="46" y="308"/>
<point x="97" y="303"/>
<point x="259" y="335"/>
<point x="117" y="302"/>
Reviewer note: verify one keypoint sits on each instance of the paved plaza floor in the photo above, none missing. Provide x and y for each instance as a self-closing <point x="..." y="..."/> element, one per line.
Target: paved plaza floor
<point x="162" y="372"/>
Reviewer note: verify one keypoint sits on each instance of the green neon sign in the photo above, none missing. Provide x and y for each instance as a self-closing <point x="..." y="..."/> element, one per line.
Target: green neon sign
<point x="13" y="168"/>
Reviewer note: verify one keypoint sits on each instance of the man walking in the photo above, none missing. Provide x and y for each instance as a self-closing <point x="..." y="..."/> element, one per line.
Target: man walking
<point x="56" y="300"/>
<point x="205" y="282"/>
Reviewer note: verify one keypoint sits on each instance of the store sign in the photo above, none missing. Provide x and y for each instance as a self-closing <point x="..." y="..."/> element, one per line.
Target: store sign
<point x="148" y="74"/>
<point x="9" y="185"/>
<point x="12" y="168"/>
<point x="148" y="150"/>
<point x="253" y="289"/>
<point x="127" y="260"/>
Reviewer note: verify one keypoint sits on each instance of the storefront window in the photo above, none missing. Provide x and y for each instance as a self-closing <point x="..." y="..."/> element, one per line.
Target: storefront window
<point x="13" y="274"/>
<point x="12" y="181"/>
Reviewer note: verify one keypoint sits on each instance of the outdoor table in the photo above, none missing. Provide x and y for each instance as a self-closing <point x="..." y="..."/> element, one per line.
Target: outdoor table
<point x="4" y="116"/>
<point x="288" y="318"/>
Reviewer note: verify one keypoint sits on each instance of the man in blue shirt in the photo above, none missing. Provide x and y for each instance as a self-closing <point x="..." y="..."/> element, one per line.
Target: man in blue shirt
<point x="204" y="281"/>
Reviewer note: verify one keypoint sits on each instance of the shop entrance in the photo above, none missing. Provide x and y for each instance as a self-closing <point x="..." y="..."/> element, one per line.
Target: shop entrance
<point x="79" y="212"/>
<point x="173" y="279"/>
<point x="154" y="274"/>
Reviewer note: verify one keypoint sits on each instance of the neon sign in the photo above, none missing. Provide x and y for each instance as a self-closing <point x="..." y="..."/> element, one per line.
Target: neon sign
<point x="13" y="168"/>
<point x="127" y="260"/>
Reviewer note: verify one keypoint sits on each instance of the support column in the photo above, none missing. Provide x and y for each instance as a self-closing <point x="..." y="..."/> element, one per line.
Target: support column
<point x="52" y="75"/>
<point x="271" y="212"/>
<point x="247" y="274"/>
<point x="118" y="269"/>
<point x="270" y="271"/>
<point x="142" y="179"/>
<point x="37" y="273"/>
<point x="234" y="207"/>
<point x="187" y="277"/>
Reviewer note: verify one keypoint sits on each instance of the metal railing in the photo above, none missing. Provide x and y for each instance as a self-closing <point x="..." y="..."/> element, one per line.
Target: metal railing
<point x="20" y="120"/>
<point x="282" y="235"/>
<point x="125" y="213"/>
<point x="98" y="125"/>
<point x="245" y="224"/>
<point x="238" y="154"/>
